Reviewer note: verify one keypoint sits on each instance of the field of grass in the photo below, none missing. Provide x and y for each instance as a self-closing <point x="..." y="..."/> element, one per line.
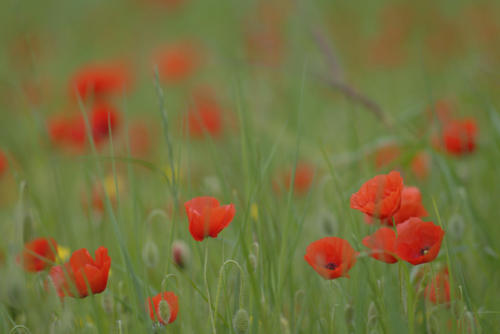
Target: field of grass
<point x="282" y="108"/>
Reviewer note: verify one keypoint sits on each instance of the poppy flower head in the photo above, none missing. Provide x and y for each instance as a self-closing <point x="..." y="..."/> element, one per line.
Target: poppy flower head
<point x="38" y="254"/>
<point x="381" y="244"/>
<point x="386" y="155"/>
<point x="103" y="118"/>
<point x="3" y="163"/>
<point x="459" y="136"/>
<point x="331" y="257"/>
<point x="379" y="197"/>
<point x="418" y="241"/>
<point x="411" y="206"/>
<point x="438" y="290"/>
<point x="207" y="217"/>
<point x="421" y="165"/>
<point x="153" y="305"/>
<point x="99" y="81"/>
<point x="304" y="175"/>
<point x="71" y="279"/>
<point x="176" y="62"/>
<point x="205" y="116"/>
<point x="68" y="132"/>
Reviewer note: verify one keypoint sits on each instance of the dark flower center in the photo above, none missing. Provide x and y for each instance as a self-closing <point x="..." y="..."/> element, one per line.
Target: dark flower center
<point x="331" y="266"/>
<point x="424" y="251"/>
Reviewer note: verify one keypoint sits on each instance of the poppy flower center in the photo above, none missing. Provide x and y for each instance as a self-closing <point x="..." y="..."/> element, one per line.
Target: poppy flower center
<point x="424" y="251"/>
<point x="331" y="266"/>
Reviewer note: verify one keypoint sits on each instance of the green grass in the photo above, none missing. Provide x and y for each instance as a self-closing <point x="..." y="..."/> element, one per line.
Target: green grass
<point x="281" y="115"/>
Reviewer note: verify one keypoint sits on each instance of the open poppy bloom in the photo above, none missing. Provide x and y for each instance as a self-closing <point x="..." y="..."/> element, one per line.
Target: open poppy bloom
<point x="421" y="165"/>
<point x="176" y="62"/>
<point x="382" y="245"/>
<point x="3" y="163"/>
<point x="379" y="197"/>
<point x="207" y="217"/>
<point x="155" y="311"/>
<point x="205" y="116"/>
<point x="411" y="206"/>
<point x="71" y="131"/>
<point x="82" y="273"/>
<point x="459" y="136"/>
<point x="304" y="175"/>
<point x="386" y="155"/>
<point x="418" y="241"/>
<point x="38" y="254"/>
<point x="438" y="290"/>
<point x="100" y="81"/>
<point x="331" y="257"/>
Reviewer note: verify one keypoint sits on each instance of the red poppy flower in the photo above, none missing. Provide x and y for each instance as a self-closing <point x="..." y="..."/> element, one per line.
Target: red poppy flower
<point x="418" y="241"/>
<point x="411" y="206"/>
<point x="379" y="197"/>
<point x="386" y="155"/>
<point x="3" y="163"/>
<point x="72" y="278"/>
<point x="459" y="136"/>
<point x="205" y="117"/>
<point x="154" y="307"/>
<point x="304" y="175"/>
<point x="207" y="217"/>
<point x="38" y="254"/>
<point x="438" y="290"/>
<point x="420" y="165"/>
<point x="176" y="62"/>
<point x="103" y="118"/>
<point x="382" y="245"/>
<point x="331" y="257"/>
<point x="99" y="81"/>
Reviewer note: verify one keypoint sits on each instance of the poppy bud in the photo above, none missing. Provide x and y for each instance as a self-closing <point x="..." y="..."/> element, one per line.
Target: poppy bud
<point x="456" y="226"/>
<point x="164" y="310"/>
<point x="372" y="315"/>
<point x="107" y="303"/>
<point x="180" y="253"/>
<point x="241" y="321"/>
<point x="150" y="254"/>
<point x="285" y="326"/>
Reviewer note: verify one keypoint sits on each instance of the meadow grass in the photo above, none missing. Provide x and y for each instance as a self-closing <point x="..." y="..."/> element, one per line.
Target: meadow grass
<point x="304" y="109"/>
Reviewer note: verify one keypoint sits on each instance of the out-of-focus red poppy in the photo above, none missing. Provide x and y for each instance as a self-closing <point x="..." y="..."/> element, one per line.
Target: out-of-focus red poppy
<point x="379" y="197"/>
<point x="459" y="136"/>
<point x="411" y="206"/>
<point x="82" y="273"/>
<point x="331" y="257"/>
<point x="140" y="139"/>
<point x="304" y="176"/>
<point x="207" y="217"/>
<point x="205" y="116"/>
<point x="418" y="241"/>
<point x="421" y="165"/>
<point x="97" y="195"/>
<point x="100" y="81"/>
<point x="382" y="245"/>
<point x="176" y="62"/>
<point x="153" y="305"/>
<point x="38" y="254"/>
<point x="438" y="290"/>
<point x="70" y="131"/>
<point x="3" y="163"/>
<point x="386" y="155"/>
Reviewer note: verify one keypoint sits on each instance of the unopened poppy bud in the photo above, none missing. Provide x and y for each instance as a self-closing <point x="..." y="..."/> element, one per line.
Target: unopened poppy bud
<point x="253" y="261"/>
<point x="107" y="303"/>
<point x="372" y="315"/>
<point x="150" y="254"/>
<point x="284" y="325"/>
<point x="241" y="321"/>
<point x="456" y="226"/>
<point x="164" y="311"/>
<point x="180" y="253"/>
